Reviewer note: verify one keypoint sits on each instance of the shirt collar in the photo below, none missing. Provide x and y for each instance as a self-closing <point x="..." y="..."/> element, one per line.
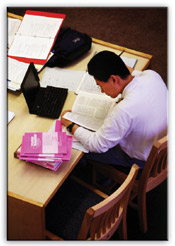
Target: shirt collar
<point x="135" y="73"/>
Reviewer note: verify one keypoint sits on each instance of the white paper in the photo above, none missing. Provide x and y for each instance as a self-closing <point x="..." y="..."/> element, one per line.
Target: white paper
<point x="13" y="86"/>
<point x="79" y="146"/>
<point x="16" y="70"/>
<point x="130" y="62"/>
<point x="63" y="78"/>
<point x="11" y="115"/>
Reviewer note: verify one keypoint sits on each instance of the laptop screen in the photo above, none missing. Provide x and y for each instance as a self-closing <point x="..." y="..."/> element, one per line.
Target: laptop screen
<point x="30" y="85"/>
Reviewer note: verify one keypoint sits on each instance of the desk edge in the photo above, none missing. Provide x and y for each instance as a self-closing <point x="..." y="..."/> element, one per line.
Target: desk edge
<point x="115" y="46"/>
<point x="11" y="194"/>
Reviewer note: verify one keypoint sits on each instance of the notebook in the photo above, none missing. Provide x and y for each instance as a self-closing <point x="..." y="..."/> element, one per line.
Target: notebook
<point x="46" y="102"/>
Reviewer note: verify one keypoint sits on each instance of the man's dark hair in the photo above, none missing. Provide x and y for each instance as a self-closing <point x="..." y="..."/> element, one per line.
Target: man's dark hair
<point x="105" y="64"/>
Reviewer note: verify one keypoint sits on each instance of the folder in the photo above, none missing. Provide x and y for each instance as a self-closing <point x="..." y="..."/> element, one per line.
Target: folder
<point x="36" y="36"/>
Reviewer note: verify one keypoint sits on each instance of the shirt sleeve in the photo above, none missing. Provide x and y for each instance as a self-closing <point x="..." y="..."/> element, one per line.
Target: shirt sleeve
<point x="115" y="127"/>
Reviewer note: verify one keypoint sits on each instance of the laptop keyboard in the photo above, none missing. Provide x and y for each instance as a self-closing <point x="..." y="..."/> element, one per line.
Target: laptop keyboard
<point x="53" y="101"/>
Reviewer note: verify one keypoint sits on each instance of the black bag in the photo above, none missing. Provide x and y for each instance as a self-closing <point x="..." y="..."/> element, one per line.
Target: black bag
<point x="69" y="46"/>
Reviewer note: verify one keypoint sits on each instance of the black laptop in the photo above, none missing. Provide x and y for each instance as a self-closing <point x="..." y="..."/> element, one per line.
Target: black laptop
<point x="46" y="102"/>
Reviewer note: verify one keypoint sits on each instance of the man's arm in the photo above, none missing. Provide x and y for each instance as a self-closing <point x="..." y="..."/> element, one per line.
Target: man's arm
<point x="66" y="122"/>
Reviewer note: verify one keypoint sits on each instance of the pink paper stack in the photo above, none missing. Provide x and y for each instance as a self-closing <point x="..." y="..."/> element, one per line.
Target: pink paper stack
<point x="47" y="149"/>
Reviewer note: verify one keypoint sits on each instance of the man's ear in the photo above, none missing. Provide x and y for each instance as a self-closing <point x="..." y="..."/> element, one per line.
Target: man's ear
<point x="115" y="79"/>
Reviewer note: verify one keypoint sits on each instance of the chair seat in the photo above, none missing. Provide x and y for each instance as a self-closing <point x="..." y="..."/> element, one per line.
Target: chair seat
<point x="65" y="212"/>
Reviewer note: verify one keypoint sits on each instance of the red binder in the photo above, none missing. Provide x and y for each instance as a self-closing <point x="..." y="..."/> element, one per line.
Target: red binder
<point x="44" y="14"/>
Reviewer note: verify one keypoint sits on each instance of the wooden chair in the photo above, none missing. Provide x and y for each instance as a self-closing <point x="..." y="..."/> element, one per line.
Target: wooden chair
<point x="102" y="220"/>
<point x="153" y="174"/>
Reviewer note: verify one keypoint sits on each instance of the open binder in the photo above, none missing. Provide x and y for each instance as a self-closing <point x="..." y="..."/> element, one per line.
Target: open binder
<point x="36" y="36"/>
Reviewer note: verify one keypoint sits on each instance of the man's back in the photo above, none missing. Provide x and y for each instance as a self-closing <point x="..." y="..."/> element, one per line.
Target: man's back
<point x="145" y="104"/>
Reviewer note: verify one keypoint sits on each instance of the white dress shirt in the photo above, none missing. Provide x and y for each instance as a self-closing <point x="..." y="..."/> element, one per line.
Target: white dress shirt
<point x="136" y="122"/>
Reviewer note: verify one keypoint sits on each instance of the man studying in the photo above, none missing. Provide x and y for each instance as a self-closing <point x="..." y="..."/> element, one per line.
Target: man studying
<point x="135" y="123"/>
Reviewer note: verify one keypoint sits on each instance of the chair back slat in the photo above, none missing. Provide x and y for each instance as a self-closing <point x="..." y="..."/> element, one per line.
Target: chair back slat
<point x="163" y="162"/>
<point x="160" y="162"/>
<point x="102" y="224"/>
<point x="109" y="218"/>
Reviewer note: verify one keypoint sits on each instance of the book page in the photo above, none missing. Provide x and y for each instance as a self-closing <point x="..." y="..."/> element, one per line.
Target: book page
<point x="13" y="25"/>
<point x="39" y="26"/>
<point x="30" y="47"/>
<point x="89" y="104"/>
<point x="88" y="84"/>
<point x="90" y="110"/>
<point x="85" y="121"/>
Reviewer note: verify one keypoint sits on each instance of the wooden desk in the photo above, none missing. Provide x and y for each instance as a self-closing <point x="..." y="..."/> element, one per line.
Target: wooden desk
<point x="30" y="187"/>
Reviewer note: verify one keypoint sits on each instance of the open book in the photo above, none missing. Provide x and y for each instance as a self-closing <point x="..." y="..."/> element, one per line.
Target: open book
<point x="35" y="36"/>
<point x="89" y="110"/>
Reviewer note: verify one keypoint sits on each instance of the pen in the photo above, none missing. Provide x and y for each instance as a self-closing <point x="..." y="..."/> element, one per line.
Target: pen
<point x="135" y="63"/>
<point x="122" y="52"/>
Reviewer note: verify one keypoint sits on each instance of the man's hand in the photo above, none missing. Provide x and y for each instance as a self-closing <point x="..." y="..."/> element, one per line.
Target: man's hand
<point x="64" y="121"/>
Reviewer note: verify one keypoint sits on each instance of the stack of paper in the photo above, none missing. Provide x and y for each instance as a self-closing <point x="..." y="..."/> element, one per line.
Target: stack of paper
<point x="47" y="149"/>
<point x="16" y="73"/>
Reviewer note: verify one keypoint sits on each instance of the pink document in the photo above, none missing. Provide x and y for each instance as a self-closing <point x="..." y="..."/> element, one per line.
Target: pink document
<point x="47" y="149"/>
<point x="47" y="156"/>
<point x="48" y="165"/>
<point x="58" y="126"/>
<point x="44" y="142"/>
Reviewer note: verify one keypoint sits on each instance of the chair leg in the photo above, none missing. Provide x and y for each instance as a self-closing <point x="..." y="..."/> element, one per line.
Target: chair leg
<point x="142" y="211"/>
